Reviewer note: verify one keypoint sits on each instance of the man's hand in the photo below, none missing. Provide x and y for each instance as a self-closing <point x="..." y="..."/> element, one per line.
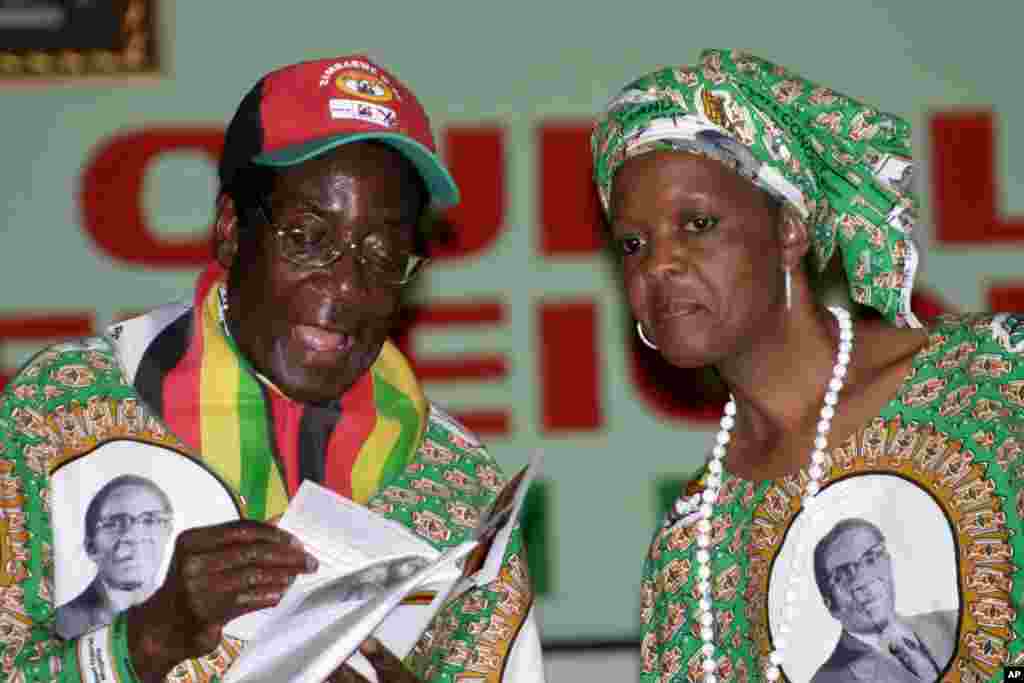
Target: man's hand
<point x="216" y="573"/>
<point x="388" y="667"/>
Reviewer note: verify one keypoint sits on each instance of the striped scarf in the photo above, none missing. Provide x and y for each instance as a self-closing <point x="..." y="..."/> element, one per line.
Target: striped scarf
<point x="259" y="440"/>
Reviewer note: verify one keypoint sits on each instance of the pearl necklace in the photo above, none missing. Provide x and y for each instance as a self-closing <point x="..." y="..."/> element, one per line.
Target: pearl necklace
<point x="704" y="505"/>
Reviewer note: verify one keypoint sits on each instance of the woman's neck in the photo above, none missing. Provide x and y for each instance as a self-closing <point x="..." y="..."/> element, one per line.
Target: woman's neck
<point x="780" y="381"/>
<point x="779" y="386"/>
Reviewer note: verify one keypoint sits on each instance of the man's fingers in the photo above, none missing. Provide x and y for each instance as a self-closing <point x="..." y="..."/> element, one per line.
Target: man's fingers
<point x="220" y="609"/>
<point x="346" y="674"/>
<point x="388" y="667"/>
<point x="251" y="579"/>
<point x="238" y="557"/>
<point x="207" y="539"/>
<point x="255" y="599"/>
<point x="209" y="638"/>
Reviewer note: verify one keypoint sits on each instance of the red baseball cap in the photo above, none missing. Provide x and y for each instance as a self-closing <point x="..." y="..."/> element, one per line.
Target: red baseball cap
<point x="302" y="110"/>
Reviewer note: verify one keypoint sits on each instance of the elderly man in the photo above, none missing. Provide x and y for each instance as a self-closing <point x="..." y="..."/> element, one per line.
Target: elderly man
<point x="853" y="571"/>
<point x="277" y="371"/>
<point x="127" y="526"/>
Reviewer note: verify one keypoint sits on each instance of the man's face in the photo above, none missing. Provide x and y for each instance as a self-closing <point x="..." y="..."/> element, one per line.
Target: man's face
<point x="131" y="533"/>
<point x="860" y="579"/>
<point x="315" y="331"/>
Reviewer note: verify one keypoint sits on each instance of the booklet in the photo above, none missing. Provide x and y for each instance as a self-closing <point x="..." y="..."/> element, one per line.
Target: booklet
<point x="375" y="577"/>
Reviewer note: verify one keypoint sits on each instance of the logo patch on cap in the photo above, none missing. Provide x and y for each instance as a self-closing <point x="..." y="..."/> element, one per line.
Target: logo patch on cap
<point x="363" y="111"/>
<point x="364" y="85"/>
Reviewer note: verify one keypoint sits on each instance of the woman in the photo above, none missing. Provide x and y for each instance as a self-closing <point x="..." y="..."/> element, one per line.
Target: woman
<point x="856" y="518"/>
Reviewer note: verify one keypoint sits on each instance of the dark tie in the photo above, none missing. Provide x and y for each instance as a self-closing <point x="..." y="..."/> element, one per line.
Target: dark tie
<point x="914" y="657"/>
<point x="315" y="429"/>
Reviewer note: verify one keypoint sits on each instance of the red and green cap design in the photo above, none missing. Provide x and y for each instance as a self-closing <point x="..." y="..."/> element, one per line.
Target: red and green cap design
<point x="302" y="110"/>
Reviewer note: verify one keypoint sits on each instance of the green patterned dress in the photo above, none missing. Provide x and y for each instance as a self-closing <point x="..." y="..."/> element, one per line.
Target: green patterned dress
<point x="939" y="471"/>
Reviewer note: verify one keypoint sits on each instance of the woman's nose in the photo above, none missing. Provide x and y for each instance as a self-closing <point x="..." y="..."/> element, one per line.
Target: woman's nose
<point x="667" y="256"/>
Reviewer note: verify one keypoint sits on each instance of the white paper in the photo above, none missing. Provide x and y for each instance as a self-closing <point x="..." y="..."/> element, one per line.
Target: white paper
<point x="360" y="540"/>
<point x="368" y="566"/>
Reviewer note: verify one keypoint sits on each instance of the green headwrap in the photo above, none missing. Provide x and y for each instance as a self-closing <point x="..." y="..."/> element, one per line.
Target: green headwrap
<point x="843" y="165"/>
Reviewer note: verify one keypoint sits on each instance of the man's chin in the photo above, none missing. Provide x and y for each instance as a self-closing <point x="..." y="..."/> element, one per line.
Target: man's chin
<point x="873" y="621"/>
<point x="315" y="385"/>
<point x="307" y="380"/>
<point x="314" y="392"/>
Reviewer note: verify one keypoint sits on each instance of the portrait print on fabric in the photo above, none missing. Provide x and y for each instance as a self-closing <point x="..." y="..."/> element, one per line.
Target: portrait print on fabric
<point x="378" y="578"/>
<point x="367" y="583"/>
<point x="877" y="596"/>
<point x="122" y="506"/>
<point x="126" y="527"/>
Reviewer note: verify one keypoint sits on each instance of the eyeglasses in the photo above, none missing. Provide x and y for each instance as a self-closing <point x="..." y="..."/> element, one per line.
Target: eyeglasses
<point x="844" y="574"/>
<point x="308" y="241"/>
<point x="121" y="523"/>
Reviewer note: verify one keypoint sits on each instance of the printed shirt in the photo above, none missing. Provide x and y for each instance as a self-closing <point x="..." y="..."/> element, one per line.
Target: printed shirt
<point x="74" y="399"/>
<point x="939" y="472"/>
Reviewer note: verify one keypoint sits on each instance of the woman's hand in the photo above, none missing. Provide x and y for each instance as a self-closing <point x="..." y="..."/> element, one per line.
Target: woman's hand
<point x="216" y="573"/>
<point x="388" y="667"/>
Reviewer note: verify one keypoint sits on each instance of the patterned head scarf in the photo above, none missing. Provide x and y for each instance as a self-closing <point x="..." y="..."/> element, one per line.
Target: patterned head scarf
<point x="843" y="165"/>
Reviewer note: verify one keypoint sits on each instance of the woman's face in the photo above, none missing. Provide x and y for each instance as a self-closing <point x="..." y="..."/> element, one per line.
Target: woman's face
<point x="700" y="250"/>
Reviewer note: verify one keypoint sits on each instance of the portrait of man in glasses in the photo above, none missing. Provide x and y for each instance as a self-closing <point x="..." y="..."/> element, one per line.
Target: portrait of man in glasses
<point x="128" y="525"/>
<point x="854" y="573"/>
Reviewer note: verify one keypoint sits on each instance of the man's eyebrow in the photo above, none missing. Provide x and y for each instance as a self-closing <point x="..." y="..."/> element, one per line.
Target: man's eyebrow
<point x="859" y="557"/>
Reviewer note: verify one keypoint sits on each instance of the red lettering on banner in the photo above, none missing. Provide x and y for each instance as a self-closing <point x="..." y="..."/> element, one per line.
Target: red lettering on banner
<point x="464" y="367"/>
<point x="42" y="328"/>
<point x="1006" y="298"/>
<point x="964" y="181"/>
<point x="476" y="159"/>
<point x="486" y="422"/>
<point x="571" y="221"/>
<point x="570" y="224"/>
<point x="111" y="197"/>
<point x="570" y="388"/>
<point x="927" y="304"/>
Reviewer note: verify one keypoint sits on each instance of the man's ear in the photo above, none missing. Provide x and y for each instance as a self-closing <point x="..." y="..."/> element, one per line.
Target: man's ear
<point x="90" y="547"/>
<point x="225" y="231"/>
<point x="829" y="605"/>
<point x="794" y="237"/>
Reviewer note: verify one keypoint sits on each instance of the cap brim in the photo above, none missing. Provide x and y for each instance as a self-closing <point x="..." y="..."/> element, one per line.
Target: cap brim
<point x="440" y="184"/>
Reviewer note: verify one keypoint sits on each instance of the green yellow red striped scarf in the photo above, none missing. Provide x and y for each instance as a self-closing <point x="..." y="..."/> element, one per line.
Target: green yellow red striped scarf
<point x="248" y="431"/>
